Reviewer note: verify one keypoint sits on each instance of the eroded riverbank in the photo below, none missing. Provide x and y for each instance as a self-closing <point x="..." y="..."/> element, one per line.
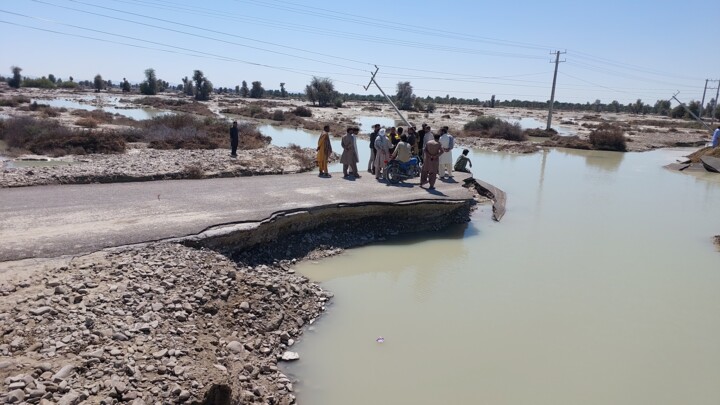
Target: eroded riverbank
<point x="167" y="322"/>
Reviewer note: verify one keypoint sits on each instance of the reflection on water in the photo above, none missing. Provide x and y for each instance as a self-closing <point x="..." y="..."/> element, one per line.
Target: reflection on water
<point x="365" y="123"/>
<point x="110" y="104"/>
<point x="600" y="286"/>
<point x="532" y="123"/>
<point x="609" y="161"/>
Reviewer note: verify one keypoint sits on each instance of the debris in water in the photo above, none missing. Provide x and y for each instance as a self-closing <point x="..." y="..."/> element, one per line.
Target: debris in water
<point x="380" y="339"/>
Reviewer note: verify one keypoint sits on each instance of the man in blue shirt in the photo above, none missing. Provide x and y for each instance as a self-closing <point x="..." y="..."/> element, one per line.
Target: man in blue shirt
<point x="716" y="138"/>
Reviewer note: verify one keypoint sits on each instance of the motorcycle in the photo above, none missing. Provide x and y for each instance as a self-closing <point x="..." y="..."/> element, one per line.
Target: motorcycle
<point x="397" y="171"/>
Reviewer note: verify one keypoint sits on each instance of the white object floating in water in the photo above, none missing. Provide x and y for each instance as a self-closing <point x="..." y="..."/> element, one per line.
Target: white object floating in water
<point x="380" y="339"/>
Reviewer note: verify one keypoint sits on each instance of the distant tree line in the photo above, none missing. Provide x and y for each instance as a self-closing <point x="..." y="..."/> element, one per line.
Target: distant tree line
<point x="321" y="92"/>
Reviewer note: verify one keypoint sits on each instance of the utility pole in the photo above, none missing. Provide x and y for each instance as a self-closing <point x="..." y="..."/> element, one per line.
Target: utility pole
<point x="714" y="106"/>
<point x="702" y="103"/>
<point x="552" y="94"/>
<point x="690" y="112"/>
<point x="372" y="80"/>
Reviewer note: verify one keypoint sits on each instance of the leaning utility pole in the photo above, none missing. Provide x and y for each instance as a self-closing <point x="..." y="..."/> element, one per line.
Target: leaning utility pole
<point x="690" y="112"/>
<point x="552" y="94"/>
<point x="372" y="80"/>
<point x="702" y="103"/>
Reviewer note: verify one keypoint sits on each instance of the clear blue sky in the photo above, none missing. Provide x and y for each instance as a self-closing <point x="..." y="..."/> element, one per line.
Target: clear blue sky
<point x="616" y="50"/>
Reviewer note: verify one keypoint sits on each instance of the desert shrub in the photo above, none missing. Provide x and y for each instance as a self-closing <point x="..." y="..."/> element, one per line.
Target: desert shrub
<point x="540" y="133"/>
<point x="97" y="115"/>
<point x="483" y="123"/>
<point x="41" y="83"/>
<point x="86" y="123"/>
<point x="508" y="131"/>
<point x="68" y="85"/>
<point x="184" y="131"/>
<point x="572" y="142"/>
<point x="608" y="137"/>
<point x="302" y="112"/>
<point x="51" y="112"/>
<point x="304" y="158"/>
<point x="278" y="115"/>
<point x="430" y="108"/>
<point x="13" y="101"/>
<point x="50" y="137"/>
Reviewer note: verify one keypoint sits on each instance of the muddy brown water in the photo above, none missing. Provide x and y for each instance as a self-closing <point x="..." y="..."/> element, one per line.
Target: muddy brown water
<point x="600" y="286"/>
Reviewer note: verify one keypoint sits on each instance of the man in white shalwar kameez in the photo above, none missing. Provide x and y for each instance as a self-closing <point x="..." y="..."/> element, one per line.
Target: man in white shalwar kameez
<point x="447" y="143"/>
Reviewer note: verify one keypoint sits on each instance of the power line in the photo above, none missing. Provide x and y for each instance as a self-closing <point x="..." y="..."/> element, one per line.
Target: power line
<point x="185" y="33"/>
<point x="201" y="54"/>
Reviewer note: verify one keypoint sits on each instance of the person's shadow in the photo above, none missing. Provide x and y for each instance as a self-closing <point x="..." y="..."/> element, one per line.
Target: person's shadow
<point x="436" y="192"/>
<point x="450" y="180"/>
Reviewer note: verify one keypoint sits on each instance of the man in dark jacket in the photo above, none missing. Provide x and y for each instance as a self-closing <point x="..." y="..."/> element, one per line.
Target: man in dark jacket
<point x="234" y="138"/>
<point x="373" y="136"/>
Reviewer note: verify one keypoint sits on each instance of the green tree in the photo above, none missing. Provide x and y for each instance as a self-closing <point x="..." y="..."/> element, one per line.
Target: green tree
<point x="98" y="83"/>
<point x="149" y="87"/>
<point x="244" y="91"/>
<point x="321" y="90"/>
<point x="125" y="86"/>
<point x="237" y="89"/>
<point x="257" y="90"/>
<point x="662" y="107"/>
<point x="16" y="79"/>
<point x="187" y="87"/>
<point x="51" y="77"/>
<point x="203" y="86"/>
<point x="614" y="106"/>
<point x="405" y="96"/>
<point x="637" y="107"/>
<point x="283" y="92"/>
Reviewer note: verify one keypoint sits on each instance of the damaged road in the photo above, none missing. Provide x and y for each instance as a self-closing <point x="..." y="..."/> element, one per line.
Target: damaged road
<point x="50" y="221"/>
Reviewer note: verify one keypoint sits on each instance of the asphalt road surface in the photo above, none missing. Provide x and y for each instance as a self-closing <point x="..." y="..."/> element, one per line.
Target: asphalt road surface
<point x="52" y="221"/>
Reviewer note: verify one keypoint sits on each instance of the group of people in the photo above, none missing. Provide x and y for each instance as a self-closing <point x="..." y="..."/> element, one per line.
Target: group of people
<point x="433" y="150"/>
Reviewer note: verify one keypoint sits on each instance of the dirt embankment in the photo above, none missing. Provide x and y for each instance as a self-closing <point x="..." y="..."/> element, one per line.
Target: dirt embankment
<point x="176" y="324"/>
<point x="143" y="164"/>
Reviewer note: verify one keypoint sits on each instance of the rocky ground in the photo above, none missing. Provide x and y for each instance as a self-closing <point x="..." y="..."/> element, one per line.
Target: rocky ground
<point x="140" y="163"/>
<point x="157" y="324"/>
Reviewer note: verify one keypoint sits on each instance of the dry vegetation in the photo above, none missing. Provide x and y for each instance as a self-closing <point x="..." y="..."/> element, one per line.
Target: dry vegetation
<point x="173" y="131"/>
<point x="191" y="107"/>
<point x="492" y="127"/>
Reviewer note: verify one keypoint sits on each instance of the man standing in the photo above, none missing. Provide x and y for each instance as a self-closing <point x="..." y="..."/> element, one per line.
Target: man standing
<point x="716" y="138"/>
<point x="349" y="157"/>
<point x="447" y="142"/>
<point x="234" y="138"/>
<point x="324" y="150"/>
<point x="373" y="136"/>
<point x="431" y="162"/>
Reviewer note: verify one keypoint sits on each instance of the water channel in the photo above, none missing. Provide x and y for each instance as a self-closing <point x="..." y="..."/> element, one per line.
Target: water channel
<point x="109" y="104"/>
<point x="600" y="286"/>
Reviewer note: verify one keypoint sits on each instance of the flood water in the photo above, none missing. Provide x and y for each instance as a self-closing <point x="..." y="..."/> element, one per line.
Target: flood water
<point x="110" y="104"/>
<point x="600" y="286"/>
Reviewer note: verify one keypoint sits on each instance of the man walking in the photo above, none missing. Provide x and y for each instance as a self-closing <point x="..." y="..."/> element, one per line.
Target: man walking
<point x="234" y="139"/>
<point x="716" y="138"/>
